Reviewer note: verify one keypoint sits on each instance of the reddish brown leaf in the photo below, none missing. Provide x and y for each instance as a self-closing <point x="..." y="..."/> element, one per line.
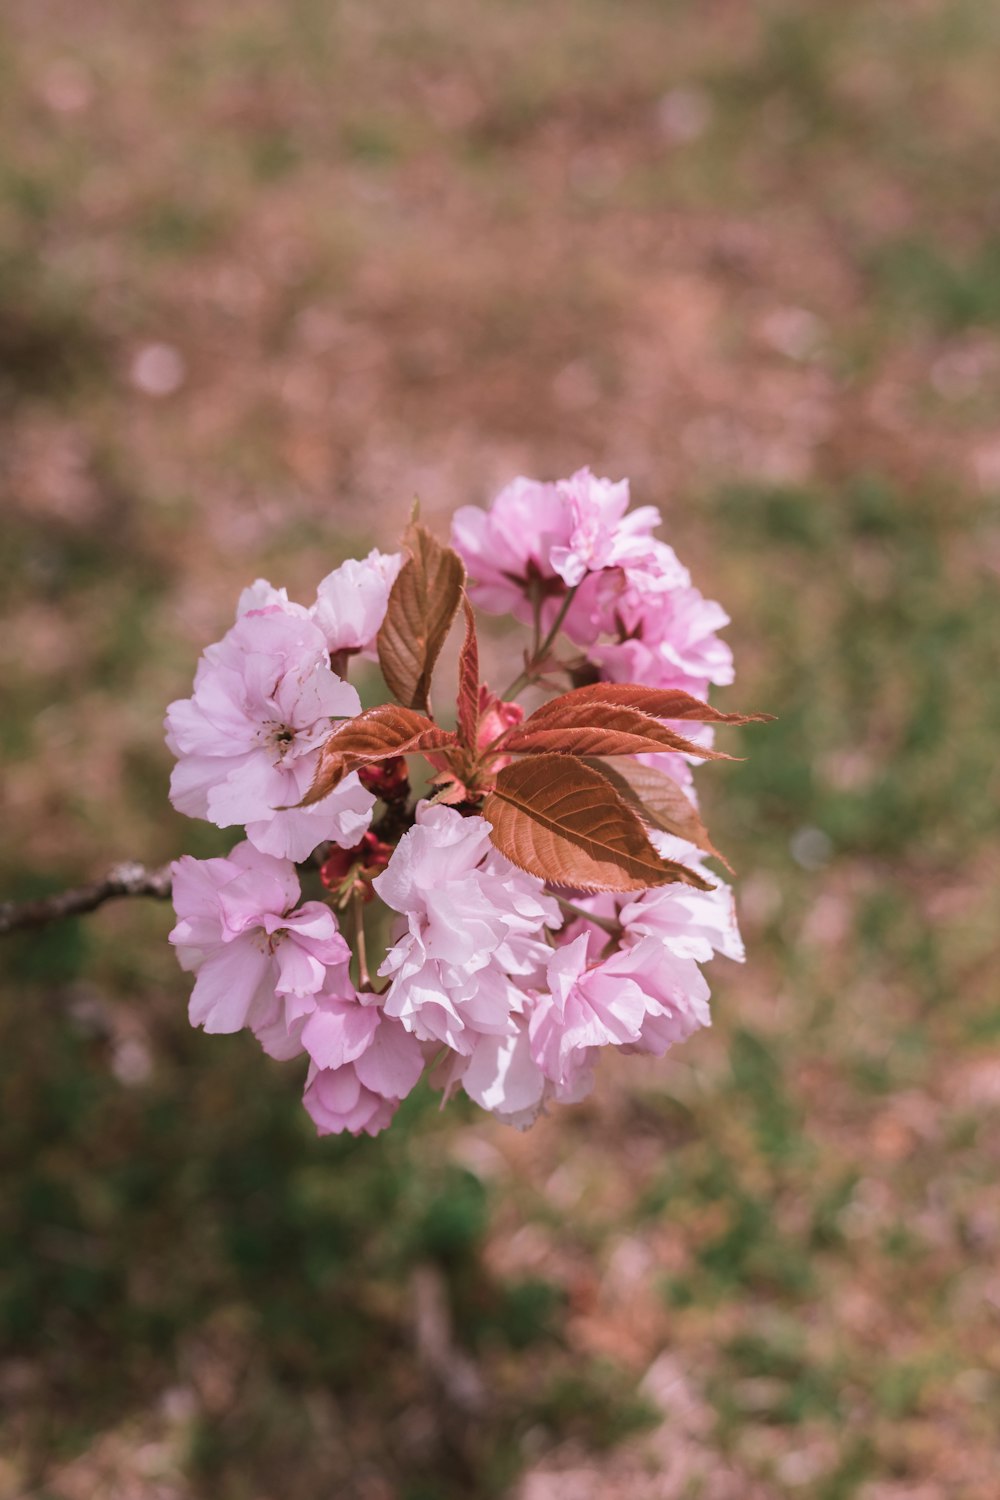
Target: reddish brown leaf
<point x="659" y="801"/>
<point x="422" y="605"/>
<point x="599" y="729"/>
<point x="660" y="703"/>
<point x="468" y="681"/>
<point x="561" y="820"/>
<point x="384" y="731"/>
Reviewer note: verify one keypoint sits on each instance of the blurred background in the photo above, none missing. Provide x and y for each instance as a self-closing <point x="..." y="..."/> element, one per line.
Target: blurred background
<point x="267" y="271"/>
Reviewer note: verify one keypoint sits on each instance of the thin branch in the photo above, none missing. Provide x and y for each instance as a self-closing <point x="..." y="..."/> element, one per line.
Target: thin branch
<point x="125" y="879"/>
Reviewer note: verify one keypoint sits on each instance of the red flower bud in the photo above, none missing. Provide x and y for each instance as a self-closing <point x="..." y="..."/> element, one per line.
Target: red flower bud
<point x="337" y="866"/>
<point x="376" y="853"/>
<point x="495" y="716"/>
<point x="368" y="858"/>
<point x="387" y="779"/>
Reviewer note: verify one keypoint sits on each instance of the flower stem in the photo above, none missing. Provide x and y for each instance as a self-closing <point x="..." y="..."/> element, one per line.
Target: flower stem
<point x="536" y="617"/>
<point x="606" y="924"/>
<point x="360" y="945"/>
<point x="540" y="652"/>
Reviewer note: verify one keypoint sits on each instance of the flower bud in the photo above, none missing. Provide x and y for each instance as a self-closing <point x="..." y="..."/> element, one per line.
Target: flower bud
<point x="366" y="858"/>
<point x="495" y="716"/>
<point x="387" y="779"/>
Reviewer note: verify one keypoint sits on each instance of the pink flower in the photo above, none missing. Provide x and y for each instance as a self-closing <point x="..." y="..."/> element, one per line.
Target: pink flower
<point x="691" y="924"/>
<point x="667" y="639"/>
<point x="645" y="997"/>
<point x="601" y="535"/>
<point x="501" y="1075"/>
<point x="588" y="1006"/>
<point x="341" y="1028"/>
<point x="537" y="540"/>
<point x="258" y="962"/>
<point x="351" y="601"/>
<point x="615" y="600"/>
<point x="336" y="1100"/>
<point x="248" y="740"/>
<point x="473" y="925"/>
<point x="675" y="990"/>
<point x="544" y="538"/>
<point x="507" y="549"/>
<point x="262" y="595"/>
<point x="373" y="1064"/>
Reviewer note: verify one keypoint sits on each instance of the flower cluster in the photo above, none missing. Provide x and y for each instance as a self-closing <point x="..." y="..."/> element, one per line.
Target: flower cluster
<point x="634" y="610"/>
<point x="546" y="897"/>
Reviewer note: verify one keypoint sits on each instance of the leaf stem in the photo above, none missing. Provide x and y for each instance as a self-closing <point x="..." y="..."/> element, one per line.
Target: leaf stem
<point x="540" y="652"/>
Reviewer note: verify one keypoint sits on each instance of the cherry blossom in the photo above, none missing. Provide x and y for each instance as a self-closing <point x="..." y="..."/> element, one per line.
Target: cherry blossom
<point x="667" y="639"/>
<point x="351" y="601"/>
<point x="501" y="1075"/>
<point x="474" y="925"/>
<point x="259" y="960"/>
<point x="644" y="996"/>
<point x="263" y="595"/>
<point x="363" y="1065"/>
<point x="507" y="549"/>
<point x="539" y="539"/>
<point x="248" y="739"/>
<point x="617" y="599"/>
<point x="509" y="990"/>
<point x="690" y="923"/>
<point x="336" y="1100"/>
<point x="601" y="534"/>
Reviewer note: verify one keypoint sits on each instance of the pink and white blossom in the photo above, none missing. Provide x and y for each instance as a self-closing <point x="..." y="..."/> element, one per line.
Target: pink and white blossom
<point x="355" y="1084"/>
<point x="260" y="961"/>
<point x="643" y="996"/>
<point x="689" y="923"/>
<point x="618" y="599"/>
<point x="351" y="601"/>
<point x="474" y="926"/>
<point x="336" y="1100"/>
<point x="602" y="532"/>
<point x="482" y="962"/>
<point x="538" y="540"/>
<point x="501" y="1075"/>
<point x="667" y="639"/>
<point x="635" y="609"/>
<point x="263" y="595"/>
<point x="507" y="548"/>
<point x="248" y="740"/>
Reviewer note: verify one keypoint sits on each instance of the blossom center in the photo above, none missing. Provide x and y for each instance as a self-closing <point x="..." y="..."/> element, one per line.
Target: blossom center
<point x="269" y="942"/>
<point x="279" y="738"/>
